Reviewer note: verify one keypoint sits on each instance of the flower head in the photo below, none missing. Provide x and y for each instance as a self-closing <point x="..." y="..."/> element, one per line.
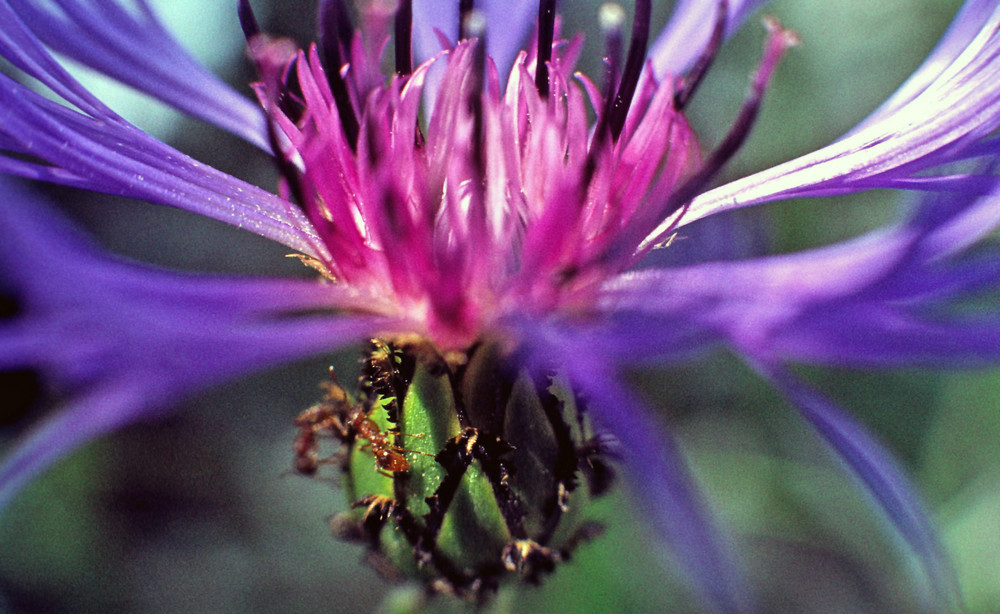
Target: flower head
<point x="482" y="197"/>
<point x="521" y="195"/>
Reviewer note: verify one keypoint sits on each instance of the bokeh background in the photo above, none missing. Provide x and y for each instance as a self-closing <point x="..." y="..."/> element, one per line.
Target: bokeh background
<point x="201" y="513"/>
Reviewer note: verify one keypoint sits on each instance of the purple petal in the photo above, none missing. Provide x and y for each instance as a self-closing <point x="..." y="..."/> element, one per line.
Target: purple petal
<point x="131" y="45"/>
<point x="511" y="22"/>
<point x="954" y="222"/>
<point x="97" y="150"/>
<point x="86" y="418"/>
<point x="964" y="28"/>
<point x="507" y="24"/>
<point x="791" y="307"/>
<point x="657" y="474"/>
<point x="934" y="123"/>
<point x="883" y="481"/>
<point x="687" y="33"/>
<point x="20" y="46"/>
<point x="100" y="151"/>
<point x="888" y="298"/>
<point x="123" y="340"/>
<point x="428" y="17"/>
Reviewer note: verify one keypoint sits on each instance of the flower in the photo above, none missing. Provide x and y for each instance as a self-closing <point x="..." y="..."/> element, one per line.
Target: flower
<point x="505" y="215"/>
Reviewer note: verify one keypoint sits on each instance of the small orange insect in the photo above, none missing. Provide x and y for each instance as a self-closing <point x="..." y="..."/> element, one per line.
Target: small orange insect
<point x="389" y="457"/>
<point x="306" y="455"/>
<point x="346" y="423"/>
<point x="312" y="423"/>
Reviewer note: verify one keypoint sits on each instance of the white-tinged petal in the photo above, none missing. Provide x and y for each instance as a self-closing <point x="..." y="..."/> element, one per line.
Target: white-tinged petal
<point x="940" y="124"/>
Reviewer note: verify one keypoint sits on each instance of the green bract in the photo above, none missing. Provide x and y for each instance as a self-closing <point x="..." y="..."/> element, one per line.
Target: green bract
<point x="462" y="473"/>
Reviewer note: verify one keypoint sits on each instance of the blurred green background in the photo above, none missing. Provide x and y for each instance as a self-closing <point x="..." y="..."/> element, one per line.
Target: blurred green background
<point x="201" y="513"/>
